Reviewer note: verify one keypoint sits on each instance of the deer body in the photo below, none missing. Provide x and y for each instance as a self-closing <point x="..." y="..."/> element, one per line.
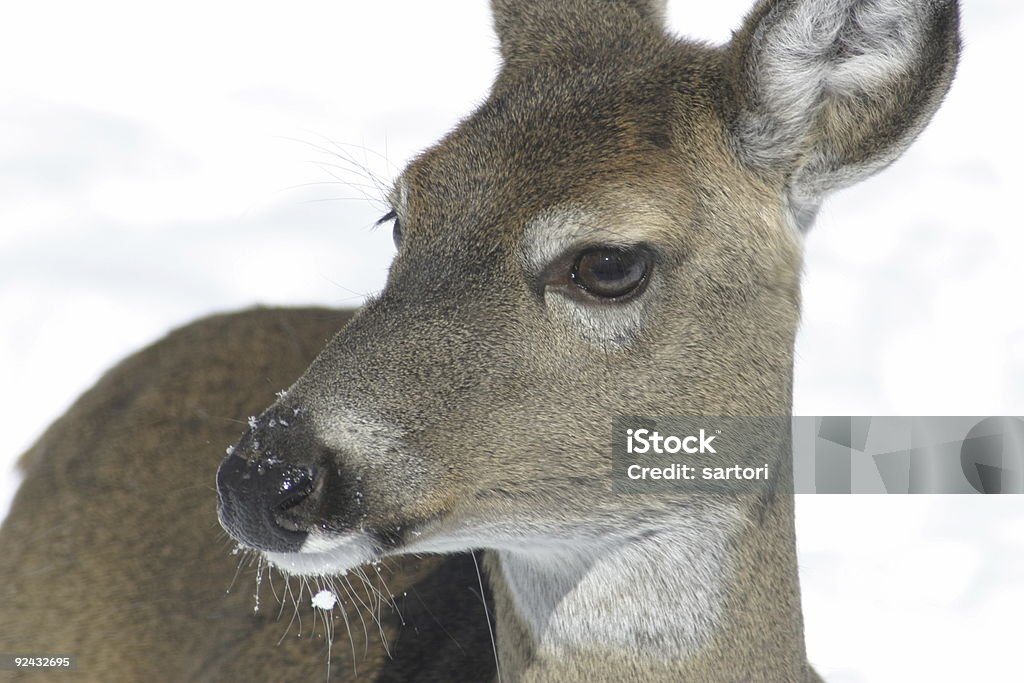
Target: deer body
<point x="134" y="580"/>
<point x="615" y="231"/>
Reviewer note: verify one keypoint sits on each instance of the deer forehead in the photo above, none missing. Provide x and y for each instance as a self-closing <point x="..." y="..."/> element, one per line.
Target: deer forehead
<point x="560" y="138"/>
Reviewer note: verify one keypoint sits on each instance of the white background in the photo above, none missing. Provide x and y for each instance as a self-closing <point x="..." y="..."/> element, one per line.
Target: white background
<point x="156" y="164"/>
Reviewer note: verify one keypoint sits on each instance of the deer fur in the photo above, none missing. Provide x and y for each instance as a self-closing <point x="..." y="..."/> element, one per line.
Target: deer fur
<point x="464" y="413"/>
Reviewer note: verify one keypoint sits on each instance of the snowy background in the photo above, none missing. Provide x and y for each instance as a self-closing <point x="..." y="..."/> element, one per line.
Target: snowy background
<point x="158" y="163"/>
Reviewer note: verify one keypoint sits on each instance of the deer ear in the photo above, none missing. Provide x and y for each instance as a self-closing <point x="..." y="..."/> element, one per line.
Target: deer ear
<point x="530" y="30"/>
<point x="829" y="92"/>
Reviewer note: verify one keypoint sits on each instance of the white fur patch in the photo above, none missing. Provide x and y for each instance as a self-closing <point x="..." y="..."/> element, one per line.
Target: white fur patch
<point x="555" y="231"/>
<point x="571" y="597"/>
<point x="608" y="326"/>
<point x="324" y="554"/>
<point x="359" y="433"/>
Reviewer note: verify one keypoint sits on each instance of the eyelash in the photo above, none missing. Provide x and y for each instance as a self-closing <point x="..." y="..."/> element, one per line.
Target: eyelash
<point x="396" y="234"/>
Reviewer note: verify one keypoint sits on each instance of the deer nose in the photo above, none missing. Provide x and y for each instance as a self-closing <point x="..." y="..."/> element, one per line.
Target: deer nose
<point x="261" y="501"/>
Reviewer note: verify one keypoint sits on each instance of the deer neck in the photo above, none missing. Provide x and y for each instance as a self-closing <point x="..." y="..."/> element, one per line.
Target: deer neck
<point x="712" y="597"/>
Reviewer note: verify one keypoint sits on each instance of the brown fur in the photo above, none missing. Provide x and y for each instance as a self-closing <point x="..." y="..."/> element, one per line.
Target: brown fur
<point x="112" y="552"/>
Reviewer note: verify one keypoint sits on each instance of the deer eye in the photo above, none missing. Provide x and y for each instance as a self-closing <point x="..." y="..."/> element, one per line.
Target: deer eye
<point x="396" y="231"/>
<point x="611" y="272"/>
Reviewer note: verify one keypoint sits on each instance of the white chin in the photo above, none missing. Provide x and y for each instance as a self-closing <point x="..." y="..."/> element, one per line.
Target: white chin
<point x="325" y="554"/>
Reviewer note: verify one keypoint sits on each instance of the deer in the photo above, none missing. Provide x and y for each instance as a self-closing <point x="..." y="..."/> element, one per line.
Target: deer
<point x="616" y="230"/>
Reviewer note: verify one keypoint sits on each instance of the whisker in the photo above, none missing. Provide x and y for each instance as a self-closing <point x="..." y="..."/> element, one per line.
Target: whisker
<point x="391" y="596"/>
<point x="288" y="628"/>
<point x="348" y="628"/>
<point x="259" y="580"/>
<point x="365" y="149"/>
<point x="270" y="580"/>
<point x="238" y="568"/>
<point x="280" y="600"/>
<point x="487" y="614"/>
<point x="325" y="166"/>
<point x="356" y="599"/>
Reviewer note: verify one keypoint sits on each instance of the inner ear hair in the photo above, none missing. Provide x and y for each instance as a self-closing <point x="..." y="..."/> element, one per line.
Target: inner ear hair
<point x="829" y="92"/>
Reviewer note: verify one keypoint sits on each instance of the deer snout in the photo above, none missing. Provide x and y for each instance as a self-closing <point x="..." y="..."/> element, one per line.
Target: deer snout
<point x="260" y="501"/>
<point x="268" y="502"/>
